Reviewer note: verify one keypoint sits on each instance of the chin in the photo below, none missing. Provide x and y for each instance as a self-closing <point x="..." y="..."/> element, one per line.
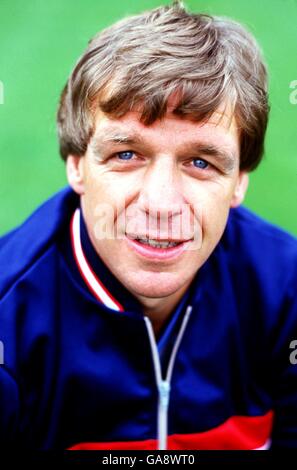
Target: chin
<point x="155" y="285"/>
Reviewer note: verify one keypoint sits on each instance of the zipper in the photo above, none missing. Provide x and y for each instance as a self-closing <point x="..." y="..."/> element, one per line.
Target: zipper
<point x="164" y="386"/>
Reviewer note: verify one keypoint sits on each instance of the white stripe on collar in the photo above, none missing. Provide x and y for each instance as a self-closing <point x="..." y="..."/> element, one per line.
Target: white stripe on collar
<point x="92" y="281"/>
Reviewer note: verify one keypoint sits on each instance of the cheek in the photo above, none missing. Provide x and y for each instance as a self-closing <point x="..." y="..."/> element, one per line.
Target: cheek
<point x="206" y="194"/>
<point x="106" y="196"/>
<point x="114" y="187"/>
<point x="211" y="203"/>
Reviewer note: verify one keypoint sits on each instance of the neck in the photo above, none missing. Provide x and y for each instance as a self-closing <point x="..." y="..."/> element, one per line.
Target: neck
<point x="158" y="310"/>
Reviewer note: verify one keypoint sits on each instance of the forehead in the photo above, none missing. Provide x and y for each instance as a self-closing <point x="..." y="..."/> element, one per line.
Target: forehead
<point x="170" y="131"/>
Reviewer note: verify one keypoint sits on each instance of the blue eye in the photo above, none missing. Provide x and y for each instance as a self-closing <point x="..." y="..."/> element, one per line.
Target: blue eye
<point x="125" y="155"/>
<point x="199" y="163"/>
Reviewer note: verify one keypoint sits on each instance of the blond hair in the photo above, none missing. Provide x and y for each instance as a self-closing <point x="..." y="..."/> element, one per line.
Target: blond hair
<point x="143" y="60"/>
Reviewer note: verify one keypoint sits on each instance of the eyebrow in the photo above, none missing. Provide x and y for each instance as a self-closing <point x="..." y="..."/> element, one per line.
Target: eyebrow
<point x="115" y="137"/>
<point x="226" y="158"/>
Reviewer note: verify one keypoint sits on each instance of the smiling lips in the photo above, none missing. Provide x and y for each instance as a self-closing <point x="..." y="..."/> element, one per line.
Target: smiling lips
<point x="156" y="248"/>
<point x="157" y="243"/>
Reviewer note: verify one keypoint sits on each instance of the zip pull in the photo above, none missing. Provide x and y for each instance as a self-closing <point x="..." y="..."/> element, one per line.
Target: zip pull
<point x="164" y="393"/>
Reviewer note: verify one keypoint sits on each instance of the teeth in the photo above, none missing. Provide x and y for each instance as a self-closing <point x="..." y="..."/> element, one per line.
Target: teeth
<point x="157" y="243"/>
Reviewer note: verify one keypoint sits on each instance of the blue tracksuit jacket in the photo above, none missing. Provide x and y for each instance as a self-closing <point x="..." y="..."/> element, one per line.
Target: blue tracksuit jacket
<point x="81" y="368"/>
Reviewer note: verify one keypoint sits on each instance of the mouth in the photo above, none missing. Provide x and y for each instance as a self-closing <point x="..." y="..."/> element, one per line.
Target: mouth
<point x="158" y="249"/>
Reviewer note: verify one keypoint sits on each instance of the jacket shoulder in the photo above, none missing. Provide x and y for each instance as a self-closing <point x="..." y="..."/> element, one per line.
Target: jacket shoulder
<point x="246" y="229"/>
<point x="21" y="248"/>
<point x="260" y="255"/>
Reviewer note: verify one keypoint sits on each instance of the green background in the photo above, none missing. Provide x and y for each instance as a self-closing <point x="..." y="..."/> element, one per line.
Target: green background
<point x="40" y="40"/>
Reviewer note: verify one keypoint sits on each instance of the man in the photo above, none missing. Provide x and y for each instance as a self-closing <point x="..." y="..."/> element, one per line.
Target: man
<point x="143" y="308"/>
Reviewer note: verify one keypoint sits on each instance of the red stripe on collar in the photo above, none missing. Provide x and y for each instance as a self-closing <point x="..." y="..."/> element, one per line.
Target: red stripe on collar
<point x="93" y="282"/>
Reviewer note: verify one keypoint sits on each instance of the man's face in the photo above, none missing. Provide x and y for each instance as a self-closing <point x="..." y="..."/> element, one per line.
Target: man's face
<point x="174" y="180"/>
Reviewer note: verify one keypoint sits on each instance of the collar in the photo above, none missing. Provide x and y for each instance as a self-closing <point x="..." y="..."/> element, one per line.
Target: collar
<point x="101" y="282"/>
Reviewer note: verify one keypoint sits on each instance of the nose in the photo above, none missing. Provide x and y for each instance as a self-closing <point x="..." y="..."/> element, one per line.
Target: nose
<point x="161" y="191"/>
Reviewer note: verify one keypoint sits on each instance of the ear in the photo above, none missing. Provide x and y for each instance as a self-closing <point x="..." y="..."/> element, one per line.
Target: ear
<point x="240" y="189"/>
<point x="75" y="173"/>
